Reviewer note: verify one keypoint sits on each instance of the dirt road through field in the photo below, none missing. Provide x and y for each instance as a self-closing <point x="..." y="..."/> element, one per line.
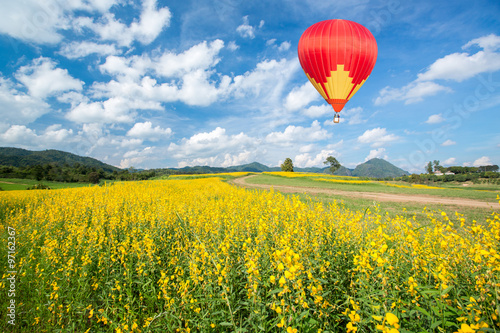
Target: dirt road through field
<point x="423" y="199"/>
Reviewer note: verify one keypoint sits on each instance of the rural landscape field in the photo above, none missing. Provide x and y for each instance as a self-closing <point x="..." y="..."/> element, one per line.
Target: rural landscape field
<point x="200" y="254"/>
<point x="288" y="166"/>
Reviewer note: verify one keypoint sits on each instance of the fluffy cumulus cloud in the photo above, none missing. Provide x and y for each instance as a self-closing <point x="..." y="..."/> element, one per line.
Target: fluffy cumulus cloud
<point x="485" y="160"/>
<point x="18" y="107"/>
<point x="245" y="30"/>
<point x="306" y="160"/>
<point x="215" y="148"/>
<point x="25" y="137"/>
<point x="168" y="77"/>
<point x="146" y="131"/>
<point x="411" y="93"/>
<point x="113" y="110"/>
<point x="435" y="119"/>
<point x="43" y="79"/>
<point x="352" y="116"/>
<point x="300" y="97"/>
<point x="145" y="30"/>
<point x="376" y="153"/>
<point x="377" y="137"/>
<point x="133" y="158"/>
<point x="44" y="22"/>
<point x="448" y="143"/>
<point x="298" y="134"/>
<point x="76" y="50"/>
<point x="450" y="161"/>
<point x="470" y="64"/>
<point x="267" y="80"/>
<point x="485" y="60"/>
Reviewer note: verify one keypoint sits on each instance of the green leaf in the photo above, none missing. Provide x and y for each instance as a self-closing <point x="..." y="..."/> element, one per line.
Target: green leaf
<point x="225" y="324"/>
<point x="275" y="291"/>
<point x="436" y="324"/>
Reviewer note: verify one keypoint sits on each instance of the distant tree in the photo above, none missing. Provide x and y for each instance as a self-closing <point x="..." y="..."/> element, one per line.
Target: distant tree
<point x="436" y="165"/>
<point x="334" y="164"/>
<point x="287" y="166"/>
<point x="428" y="168"/>
<point x="94" y="177"/>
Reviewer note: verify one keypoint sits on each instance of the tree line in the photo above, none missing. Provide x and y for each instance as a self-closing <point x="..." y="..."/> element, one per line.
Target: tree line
<point x="71" y="173"/>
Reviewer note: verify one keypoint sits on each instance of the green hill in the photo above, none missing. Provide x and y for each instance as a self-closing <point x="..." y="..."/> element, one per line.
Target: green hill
<point x="378" y="168"/>
<point x="18" y="157"/>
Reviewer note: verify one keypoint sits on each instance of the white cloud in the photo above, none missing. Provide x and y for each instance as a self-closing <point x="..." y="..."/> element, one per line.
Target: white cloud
<point x="301" y="96"/>
<point x="285" y="46"/>
<point x="199" y="57"/>
<point x="214" y="148"/>
<point x="113" y="110"/>
<point x="267" y="81"/>
<point x="450" y="161"/>
<point x="41" y="22"/>
<point x="411" y="93"/>
<point x="19" y="135"/>
<point x="192" y="69"/>
<point x="376" y="153"/>
<point x="293" y="134"/>
<point x="146" y="131"/>
<point x="377" y="137"/>
<point x="22" y="136"/>
<point x="448" y="143"/>
<point x="151" y="23"/>
<point x="246" y="30"/>
<point x="353" y="116"/>
<point x="486" y="60"/>
<point x="271" y="42"/>
<point x="17" y="107"/>
<point x="485" y="160"/>
<point x="435" y="119"/>
<point x="307" y="161"/>
<point x="307" y="148"/>
<point x="456" y="66"/>
<point x="232" y="46"/>
<point x="56" y="134"/>
<point x="76" y="50"/>
<point x="317" y="111"/>
<point x="43" y="79"/>
<point x="134" y="158"/>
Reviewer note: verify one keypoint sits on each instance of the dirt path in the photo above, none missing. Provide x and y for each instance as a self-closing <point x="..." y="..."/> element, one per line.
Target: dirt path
<point x="423" y="199"/>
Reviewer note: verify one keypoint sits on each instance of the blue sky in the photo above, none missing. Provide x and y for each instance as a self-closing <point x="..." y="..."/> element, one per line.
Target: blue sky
<point x="157" y="83"/>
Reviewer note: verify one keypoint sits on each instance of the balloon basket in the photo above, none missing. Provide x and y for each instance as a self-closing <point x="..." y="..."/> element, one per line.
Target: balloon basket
<point x="336" y="118"/>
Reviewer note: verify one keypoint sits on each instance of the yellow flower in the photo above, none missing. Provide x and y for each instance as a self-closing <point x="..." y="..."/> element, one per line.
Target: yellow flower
<point x="272" y="279"/>
<point x="391" y="318"/>
<point x="464" y="328"/>
<point x="351" y="328"/>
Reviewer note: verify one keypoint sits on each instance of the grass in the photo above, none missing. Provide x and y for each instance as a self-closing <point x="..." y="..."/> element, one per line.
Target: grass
<point x="13" y="184"/>
<point x="475" y="193"/>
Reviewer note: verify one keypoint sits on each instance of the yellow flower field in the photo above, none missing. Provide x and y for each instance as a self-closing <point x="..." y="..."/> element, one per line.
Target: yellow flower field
<point x="201" y="255"/>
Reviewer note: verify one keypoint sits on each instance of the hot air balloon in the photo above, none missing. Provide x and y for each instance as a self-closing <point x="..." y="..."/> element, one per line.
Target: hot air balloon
<point x="337" y="57"/>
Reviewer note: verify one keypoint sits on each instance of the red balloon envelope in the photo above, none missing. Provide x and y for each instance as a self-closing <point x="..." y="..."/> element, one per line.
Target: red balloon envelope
<point x="337" y="57"/>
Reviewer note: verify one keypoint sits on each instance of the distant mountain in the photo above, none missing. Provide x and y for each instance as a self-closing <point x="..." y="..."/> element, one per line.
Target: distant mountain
<point x="21" y="157"/>
<point x="343" y="171"/>
<point x="378" y="168"/>
<point x="251" y="167"/>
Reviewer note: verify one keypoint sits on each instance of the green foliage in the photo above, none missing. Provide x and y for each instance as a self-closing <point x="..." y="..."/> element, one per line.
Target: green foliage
<point x="287" y="166"/>
<point x="39" y="186"/>
<point x="334" y="164"/>
<point x="428" y="168"/>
